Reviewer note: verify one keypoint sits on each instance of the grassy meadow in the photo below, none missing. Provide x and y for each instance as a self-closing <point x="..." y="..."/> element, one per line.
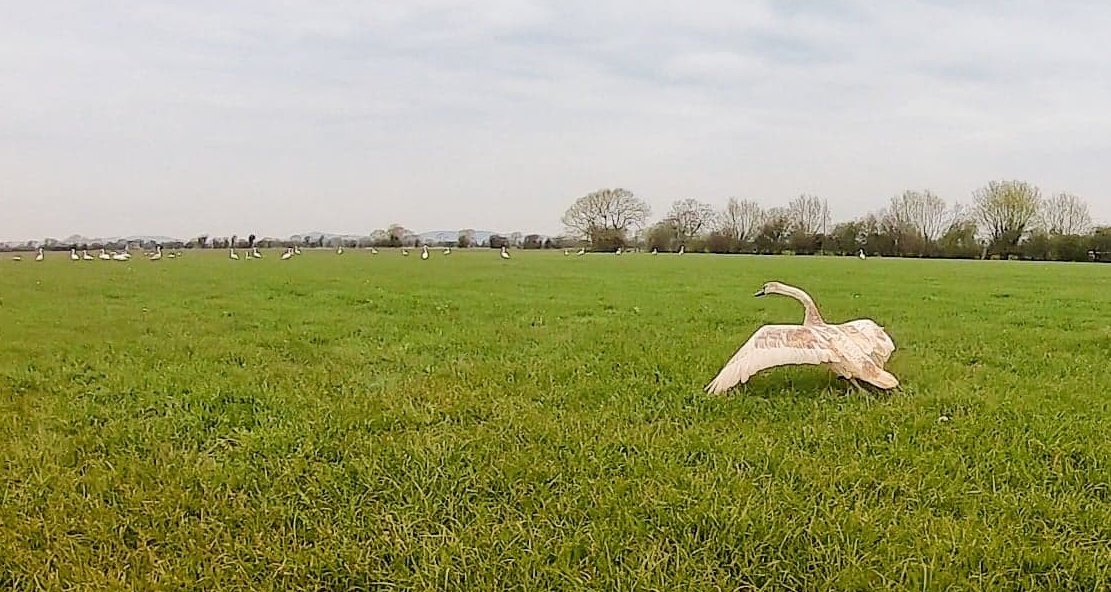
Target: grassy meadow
<point x="363" y="422"/>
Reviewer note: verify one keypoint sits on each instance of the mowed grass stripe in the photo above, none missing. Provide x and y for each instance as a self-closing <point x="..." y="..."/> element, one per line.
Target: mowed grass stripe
<point x="465" y="422"/>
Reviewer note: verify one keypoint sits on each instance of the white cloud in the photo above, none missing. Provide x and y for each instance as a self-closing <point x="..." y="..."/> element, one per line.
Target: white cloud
<point x="290" y="116"/>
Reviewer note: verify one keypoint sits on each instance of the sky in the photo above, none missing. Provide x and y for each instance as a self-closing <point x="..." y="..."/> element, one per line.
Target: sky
<point x="221" y="117"/>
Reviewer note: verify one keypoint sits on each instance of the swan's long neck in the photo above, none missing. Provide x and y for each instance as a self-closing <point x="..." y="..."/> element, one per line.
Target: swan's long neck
<point x="813" y="317"/>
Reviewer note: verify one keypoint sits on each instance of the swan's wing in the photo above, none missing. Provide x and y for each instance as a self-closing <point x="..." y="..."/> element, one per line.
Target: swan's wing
<point x="870" y="337"/>
<point x="774" y="345"/>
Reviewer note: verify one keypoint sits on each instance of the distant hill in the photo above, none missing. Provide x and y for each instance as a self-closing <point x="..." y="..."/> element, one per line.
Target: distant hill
<point x="446" y="236"/>
<point x="315" y="236"/>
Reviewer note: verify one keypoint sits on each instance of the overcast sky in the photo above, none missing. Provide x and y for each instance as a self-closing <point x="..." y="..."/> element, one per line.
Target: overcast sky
<point x="281" y="117"/>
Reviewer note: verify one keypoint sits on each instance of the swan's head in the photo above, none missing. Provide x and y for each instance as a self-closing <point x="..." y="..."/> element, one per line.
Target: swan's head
<point x="770" y="288"/>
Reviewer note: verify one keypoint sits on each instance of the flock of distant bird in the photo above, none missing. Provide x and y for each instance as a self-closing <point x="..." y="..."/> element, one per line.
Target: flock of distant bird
<point x="40" y="254"/>
<point x="289" y="253"/>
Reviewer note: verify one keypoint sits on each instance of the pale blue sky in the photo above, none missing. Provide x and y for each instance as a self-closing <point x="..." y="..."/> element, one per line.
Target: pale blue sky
<point x="281" y="117"/>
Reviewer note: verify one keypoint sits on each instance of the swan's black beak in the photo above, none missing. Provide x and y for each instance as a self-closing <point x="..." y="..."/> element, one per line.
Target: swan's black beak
<point x="760" y="293"/>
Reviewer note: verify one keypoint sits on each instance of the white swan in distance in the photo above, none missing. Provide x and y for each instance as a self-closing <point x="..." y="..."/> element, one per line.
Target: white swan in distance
<point x="424" y="252"/>
<point x="504" y="253"/>
<point x="856" y="349"/>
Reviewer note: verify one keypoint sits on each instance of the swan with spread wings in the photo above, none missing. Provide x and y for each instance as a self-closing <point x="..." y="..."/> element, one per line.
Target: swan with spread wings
<point x="854" y="350"/>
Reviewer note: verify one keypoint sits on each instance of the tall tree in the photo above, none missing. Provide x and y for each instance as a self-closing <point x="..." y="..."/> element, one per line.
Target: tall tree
<point x="661" y="235"/>
<point x="1005" y="209"/>
<point x="924" y="211"/>
<point x="809" y="214"/>
<point x="1064" y="213"/>
<point x="398" y="234"/>
<point x="690" y="217"/>
<point x="902" y="235"/>
<point x="605" y="209"/>
<point x="740" y="220"/>
<point x="774" y="230"/>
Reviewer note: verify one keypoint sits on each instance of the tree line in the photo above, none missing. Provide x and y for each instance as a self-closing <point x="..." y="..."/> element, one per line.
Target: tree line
<point x="1007" y="219"/>
<point x="1004" y="219"/>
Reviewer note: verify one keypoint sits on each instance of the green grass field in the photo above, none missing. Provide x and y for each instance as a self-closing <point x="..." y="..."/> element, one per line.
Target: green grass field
<point x="465" y="423"/>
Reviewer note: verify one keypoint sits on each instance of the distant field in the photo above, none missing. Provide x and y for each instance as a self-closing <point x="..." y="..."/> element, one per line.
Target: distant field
<point x="467" y="423"/>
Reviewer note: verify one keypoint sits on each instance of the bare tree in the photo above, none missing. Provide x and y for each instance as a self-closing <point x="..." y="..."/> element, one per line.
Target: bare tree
<point x="690" y="217"/>
<point x="809" y="214"/>
<point x="1005" y="209"/>
<point x="606" y="209"/>
<point x="922" y="210"/>
<point x="896" y="224"/>
<point x="740" y="220"/>
<point x="1064" y="213"/>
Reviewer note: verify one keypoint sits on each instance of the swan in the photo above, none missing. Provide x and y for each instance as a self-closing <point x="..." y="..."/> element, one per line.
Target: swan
<point x="866" y="333"/>
<point x="41" y="255"/>
<point x="73" y="256"/>
<point x="85" y="256"/>
<point x="566" y="252"/>
<point x="232" y="255"/>
<point x="287" y="254"/>
<point x="121" y="256"/>
<point x="339" y="250"/>
<point x="404" y="252"/>
<point x="861" y="254"/>
<point x="504" y="253"/>
<point x="17" y="258"/>
<point x="104" y="256"/>
<point x="654" y="251"/>
<point x="447" y="250"/>
<point x="255" y="253"/>
<point x="682" y="249"/>
<point x="424" y="252"/>
<point x="296" y="250"/>
<point x="157" y="253"/>
<point x="582" y="251"/>
<point x="618" y="250"/>
<point x="373" y="251"/>
<point x="856" y="349"/>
